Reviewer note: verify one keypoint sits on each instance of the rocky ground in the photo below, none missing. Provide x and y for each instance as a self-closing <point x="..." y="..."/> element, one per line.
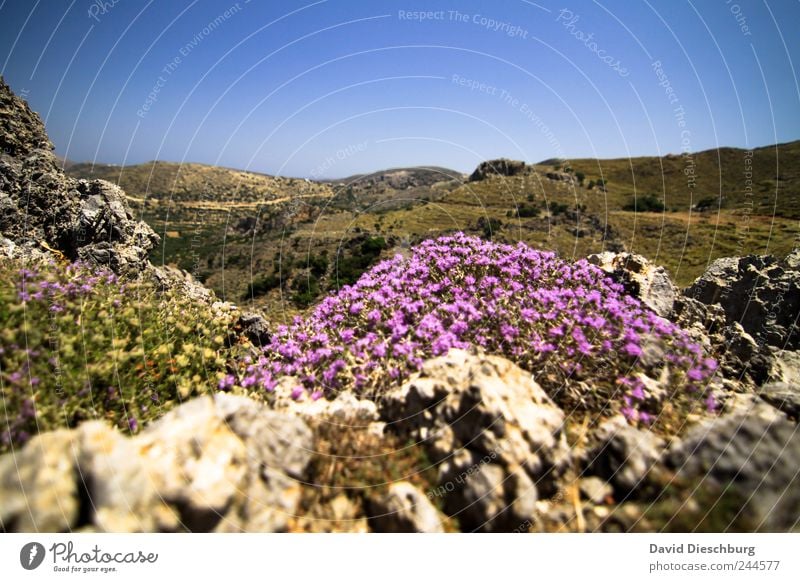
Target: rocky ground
<point x="471" y="442"/>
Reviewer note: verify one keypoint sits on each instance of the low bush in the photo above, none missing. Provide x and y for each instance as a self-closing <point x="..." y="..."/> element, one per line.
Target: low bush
<point x="565" y="322"/>
<point x="77" y="344"/>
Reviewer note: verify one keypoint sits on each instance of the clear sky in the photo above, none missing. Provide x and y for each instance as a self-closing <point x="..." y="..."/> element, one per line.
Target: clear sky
<point x="333" y="87"/>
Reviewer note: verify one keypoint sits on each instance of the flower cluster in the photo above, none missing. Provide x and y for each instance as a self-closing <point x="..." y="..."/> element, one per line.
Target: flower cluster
<point x="565" y="322"/>
<point x="77" y="343"/>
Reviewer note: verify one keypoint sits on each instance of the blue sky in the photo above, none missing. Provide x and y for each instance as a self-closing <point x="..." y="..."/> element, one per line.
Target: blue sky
<point x="331" y="88"/>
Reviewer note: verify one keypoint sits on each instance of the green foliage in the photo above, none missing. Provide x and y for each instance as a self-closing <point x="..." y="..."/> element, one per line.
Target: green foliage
<point x="318" y="264"/>
<point x="351" y="266"/>
<point x="526" y="211"/>
<point x="648" y="203"/>
<point x="306" y="290"/>
<point x="707" y="204"/>
<point x="262" y="285"/>
<point x="489" y="226"/>
<point x="581" y="177"/>
<point x="557" y="208"/>
<point x="77" y="344"/>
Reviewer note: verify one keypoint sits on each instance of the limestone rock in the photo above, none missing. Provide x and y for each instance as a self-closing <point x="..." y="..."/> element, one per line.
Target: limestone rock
<point x="213" y="464"/>
<point x="762" y="293"/>
<point x="404" y="509"/>
<point x="645" y="281"/>
<point x="623" y="454"/>
<point x="37" y="485"/>
<point x="755" y="455"/>
<point x="493" y="428"/>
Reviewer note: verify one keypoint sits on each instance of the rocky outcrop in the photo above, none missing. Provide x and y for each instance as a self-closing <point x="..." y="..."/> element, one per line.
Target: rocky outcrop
<point x="623" y="455"/>
<point x="641" y="279"/>
<point x="560" y="177"/>
<point x="753" y="455"/>
<point x="212" y="464"/>
<point x="404" y="509"/>
<point x="762" y="293"/>
<point x="496" y="434"/>
<point x="42" y="208"/>
<point x="501" y="167"/>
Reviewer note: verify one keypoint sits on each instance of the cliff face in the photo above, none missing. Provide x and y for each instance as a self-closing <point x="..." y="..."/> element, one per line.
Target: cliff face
<point x="41" y="208"/>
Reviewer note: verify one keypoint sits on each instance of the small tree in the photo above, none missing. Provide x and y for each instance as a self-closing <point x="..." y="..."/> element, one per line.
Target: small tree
<point x="580" y="176"/>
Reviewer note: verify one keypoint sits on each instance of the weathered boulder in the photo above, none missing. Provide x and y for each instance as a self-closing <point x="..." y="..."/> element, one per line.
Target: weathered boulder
<point x="404" y="509"/>
<point x="754" y="455"/>
<point x="623" y="455"/>
<point x="783" y="387"/>
<point x="642" y="279"/>
<point x="739" y="356"/>
<point x="255" y="328"/>
<point x="496" y="433"/>
<point x="213" y="464"/>
<point x="762" y="293"/>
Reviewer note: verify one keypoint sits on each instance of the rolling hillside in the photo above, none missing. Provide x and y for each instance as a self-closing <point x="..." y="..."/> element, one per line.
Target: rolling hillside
<point x="282" y="243"/>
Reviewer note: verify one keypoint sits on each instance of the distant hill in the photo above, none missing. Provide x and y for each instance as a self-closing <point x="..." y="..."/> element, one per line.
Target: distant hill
<point x="713" y="178"/>
<point x="289" y="240"/>
<point x="194" y="182"/>
<point x="402" y="178"/>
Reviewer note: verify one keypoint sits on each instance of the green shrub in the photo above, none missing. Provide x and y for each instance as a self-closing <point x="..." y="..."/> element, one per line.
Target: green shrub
<point x="306" y="290"/>
<point x="318" y="264"/>
<point x="262" y="285"/>
<point x="78" y="344"/>
<point x="648" y="203"/>
<point x="489" y="226"/>
<point x="526" y="211"/>
<point x="351" y="266"/>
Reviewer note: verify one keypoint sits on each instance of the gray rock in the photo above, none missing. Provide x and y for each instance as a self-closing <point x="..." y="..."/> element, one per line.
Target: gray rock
<point x="645" y="281"/>
<point x="756" y="455"/>
<point x="739" y="355"/>
<point x="594" y="489"/>
<point x="213" y="464"/>
<point x="560" y="177"/>
<point x="80" y="219"/>
<point x="623" y="454"/>
<point x="488" y="423"/>
<point x="255" y="328"/>
<point x="783" y="387"/>
<point x="484" y="403"/>
<point x="168" y="277"/>
<point x="484" y="496"/>
<point x="37" y="485"/>
<point x="783" y="396"/>
<point x="762" y="293"/>
<point x="404" y="509"/>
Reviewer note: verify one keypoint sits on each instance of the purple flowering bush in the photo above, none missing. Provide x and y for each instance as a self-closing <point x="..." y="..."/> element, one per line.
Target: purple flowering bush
<point x="76" y="343"/>
<point x="567" y="323"/>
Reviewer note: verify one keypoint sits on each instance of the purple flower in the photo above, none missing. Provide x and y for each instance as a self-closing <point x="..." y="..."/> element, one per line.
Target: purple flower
<point x="459" y="291"/>
<point x="227" y="382"/>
